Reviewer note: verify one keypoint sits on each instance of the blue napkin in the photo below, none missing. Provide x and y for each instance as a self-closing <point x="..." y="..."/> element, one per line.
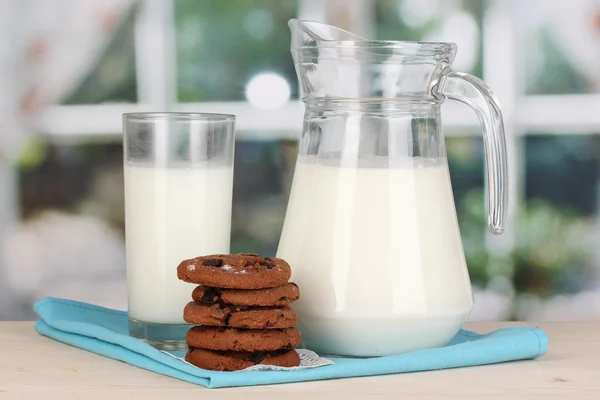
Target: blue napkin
<point x="105" y="332"/>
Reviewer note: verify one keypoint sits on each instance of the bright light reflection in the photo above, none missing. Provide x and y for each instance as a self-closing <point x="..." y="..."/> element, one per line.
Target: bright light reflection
<point x="267" y="91"/>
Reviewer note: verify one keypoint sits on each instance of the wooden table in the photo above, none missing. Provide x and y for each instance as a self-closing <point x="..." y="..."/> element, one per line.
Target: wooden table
<point x="32" y="366"/>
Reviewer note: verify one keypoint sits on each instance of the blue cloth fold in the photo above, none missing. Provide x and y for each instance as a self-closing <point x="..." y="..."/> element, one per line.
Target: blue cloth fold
<point x="105" y="332"/>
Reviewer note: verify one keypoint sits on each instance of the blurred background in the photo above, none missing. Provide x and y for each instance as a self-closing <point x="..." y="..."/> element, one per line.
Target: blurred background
<point x="70" y="68"/>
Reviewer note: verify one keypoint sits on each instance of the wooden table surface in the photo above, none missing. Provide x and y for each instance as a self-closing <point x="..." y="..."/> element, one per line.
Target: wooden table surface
<point x="33" y="366"/>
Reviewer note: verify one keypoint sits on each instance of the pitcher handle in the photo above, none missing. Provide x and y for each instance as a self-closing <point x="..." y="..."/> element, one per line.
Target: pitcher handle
<point x="475" y="93"/>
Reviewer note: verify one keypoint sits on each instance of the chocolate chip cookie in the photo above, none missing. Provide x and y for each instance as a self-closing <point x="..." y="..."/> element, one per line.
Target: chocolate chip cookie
<point x="239" y="317"/>
<point x="235" y="271"/>
<point x="250" y="340"/>
<point x="279" y="296"/>
<point x="237" y="360"/>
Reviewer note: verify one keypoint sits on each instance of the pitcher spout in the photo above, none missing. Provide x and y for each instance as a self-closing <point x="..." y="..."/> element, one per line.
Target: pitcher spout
<point x="312" y="33"/>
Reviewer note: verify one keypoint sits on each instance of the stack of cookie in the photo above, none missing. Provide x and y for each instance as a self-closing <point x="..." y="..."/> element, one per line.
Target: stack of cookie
<point x="242" y="311"/>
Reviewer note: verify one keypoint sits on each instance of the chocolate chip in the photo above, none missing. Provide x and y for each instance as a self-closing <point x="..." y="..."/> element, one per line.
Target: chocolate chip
<point x="257" y="358"/>
<point x="267" y="264"/>
<point x="210" y="296"/>
<point x="284" y="298"/>
<point x="245" y="327"/>
<point x="249" y="264"/>
<point x="213" y="262"/>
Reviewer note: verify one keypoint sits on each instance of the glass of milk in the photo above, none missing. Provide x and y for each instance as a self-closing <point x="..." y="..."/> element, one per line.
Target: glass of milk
<point x="178" y="171"/>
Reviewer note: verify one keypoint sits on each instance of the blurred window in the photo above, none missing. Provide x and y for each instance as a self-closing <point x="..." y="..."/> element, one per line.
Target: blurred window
<point x="112" y="79"/>
<point x="223" y="56"/>
<point x="561" y="46"/>
<point x="223" y="47"/>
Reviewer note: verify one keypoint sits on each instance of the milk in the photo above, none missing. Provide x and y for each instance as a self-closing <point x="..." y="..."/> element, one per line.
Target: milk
<point x="378" y="257"/>
<point x="171" y="215"/>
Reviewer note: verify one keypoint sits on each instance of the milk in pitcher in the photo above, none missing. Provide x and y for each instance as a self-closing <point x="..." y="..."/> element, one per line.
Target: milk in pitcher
<point x="378" y="256"/>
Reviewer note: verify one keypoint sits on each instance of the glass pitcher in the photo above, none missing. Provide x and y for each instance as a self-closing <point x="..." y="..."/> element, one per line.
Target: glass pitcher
<point x="371" y="230"/>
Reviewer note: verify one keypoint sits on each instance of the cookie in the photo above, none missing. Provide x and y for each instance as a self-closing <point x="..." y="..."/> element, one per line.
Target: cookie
<point x="235" y="271"/>
<point x="278" y="296"/>
<point x="240" y="317"/>
<point x="243" y="339"/>
<point x="237" y="360"/>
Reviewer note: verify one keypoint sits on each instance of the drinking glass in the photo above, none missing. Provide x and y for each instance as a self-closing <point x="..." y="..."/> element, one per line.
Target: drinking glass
<point x="178" y="170"/>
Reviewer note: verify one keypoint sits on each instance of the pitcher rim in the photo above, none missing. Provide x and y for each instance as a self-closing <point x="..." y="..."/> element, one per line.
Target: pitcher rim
<point x="421" y="46"/>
